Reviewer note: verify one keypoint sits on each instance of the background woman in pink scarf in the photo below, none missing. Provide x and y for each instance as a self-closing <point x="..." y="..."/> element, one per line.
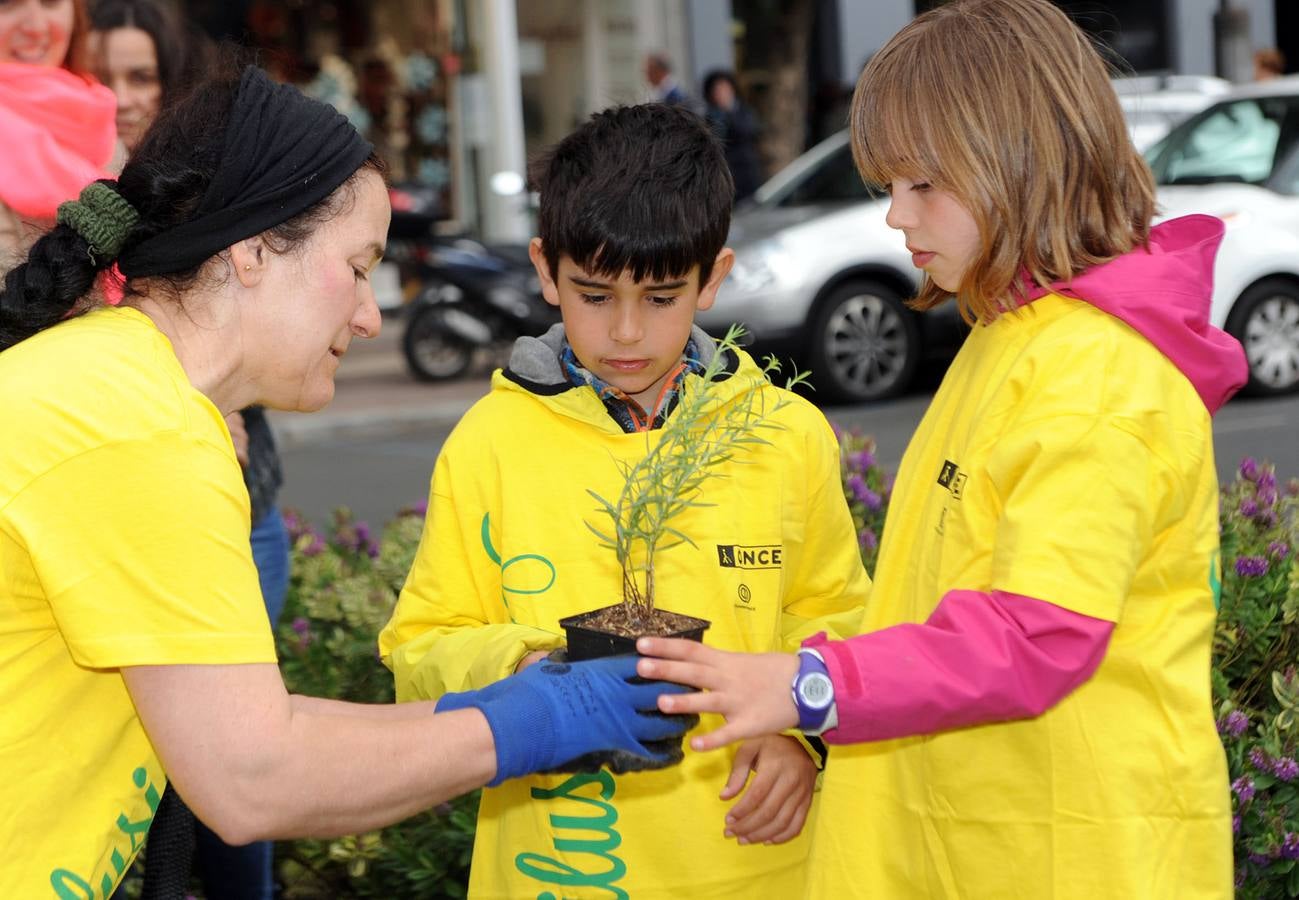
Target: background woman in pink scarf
<point x="56" y="119"/>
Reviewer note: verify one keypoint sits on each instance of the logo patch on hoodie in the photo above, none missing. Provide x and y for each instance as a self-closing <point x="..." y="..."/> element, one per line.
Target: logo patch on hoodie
<point x="952" y="478"/>
<point x="755" y="556"/>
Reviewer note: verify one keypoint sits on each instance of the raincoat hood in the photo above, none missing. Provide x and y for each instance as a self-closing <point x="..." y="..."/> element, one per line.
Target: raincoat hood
<point x="1164" y="292"/>
<point x="534" y="369"/>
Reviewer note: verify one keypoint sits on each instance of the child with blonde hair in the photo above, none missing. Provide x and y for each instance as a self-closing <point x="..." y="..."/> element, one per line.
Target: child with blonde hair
<point x="1029" y="710"/>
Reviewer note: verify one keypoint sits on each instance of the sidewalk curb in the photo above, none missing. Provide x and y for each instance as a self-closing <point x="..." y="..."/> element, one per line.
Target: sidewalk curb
<point x="293" y="430"/>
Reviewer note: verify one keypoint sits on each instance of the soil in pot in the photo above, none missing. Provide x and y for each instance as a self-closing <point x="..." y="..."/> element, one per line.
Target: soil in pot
<point x="613" y="630"/>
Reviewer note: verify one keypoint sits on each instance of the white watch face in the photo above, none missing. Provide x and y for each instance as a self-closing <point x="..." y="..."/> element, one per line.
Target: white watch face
<point x="816" y="690"/>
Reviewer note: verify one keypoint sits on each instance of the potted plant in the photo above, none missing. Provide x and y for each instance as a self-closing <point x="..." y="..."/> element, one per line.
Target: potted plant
<point x="700" y="434"/>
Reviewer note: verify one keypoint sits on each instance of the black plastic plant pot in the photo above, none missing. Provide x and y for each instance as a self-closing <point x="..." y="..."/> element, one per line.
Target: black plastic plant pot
<point x="586" y="641"/>
<point x="591" y="642"/>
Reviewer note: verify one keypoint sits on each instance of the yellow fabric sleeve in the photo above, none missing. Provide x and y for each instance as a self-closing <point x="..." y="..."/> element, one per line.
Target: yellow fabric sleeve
<point x="450" y="630"/>
<point x="828" y="584"/>
<point x="142" y="550"/>
<point x="1078" y="496"/>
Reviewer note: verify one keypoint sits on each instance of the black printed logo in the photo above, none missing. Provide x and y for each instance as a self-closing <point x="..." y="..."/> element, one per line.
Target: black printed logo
<point x="758" y="556"/>
<point x="952" y="478"/>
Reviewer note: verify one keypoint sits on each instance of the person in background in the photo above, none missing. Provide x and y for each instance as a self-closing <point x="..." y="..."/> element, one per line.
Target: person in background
<point x="134" y="646"/>
<point x="56" y="122"/>
<point x="737" y="129"/>
<point x="1269" y="63"/>
<point x="1029" y="712"/>
<point x="663" y="87"/>
<point x="140" y="51"/>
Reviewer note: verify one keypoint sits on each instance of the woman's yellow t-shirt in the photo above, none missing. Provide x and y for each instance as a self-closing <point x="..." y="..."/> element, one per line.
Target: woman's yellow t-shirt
<point x="123" y="542"/>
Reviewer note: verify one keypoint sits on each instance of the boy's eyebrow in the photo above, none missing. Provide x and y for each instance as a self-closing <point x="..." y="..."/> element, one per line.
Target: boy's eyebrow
<point x="665" y="286"/>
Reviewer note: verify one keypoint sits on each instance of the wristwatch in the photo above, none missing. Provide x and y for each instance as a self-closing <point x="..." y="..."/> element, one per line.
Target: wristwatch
<point x="814" y="694"/>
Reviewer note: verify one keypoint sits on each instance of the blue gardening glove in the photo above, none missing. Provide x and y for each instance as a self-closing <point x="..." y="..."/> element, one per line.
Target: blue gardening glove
<point x="552" y="712"/>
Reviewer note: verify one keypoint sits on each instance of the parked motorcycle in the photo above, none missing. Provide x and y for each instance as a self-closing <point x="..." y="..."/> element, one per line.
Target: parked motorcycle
<point x="471" y="297"/>
<point x="466" y="296"/>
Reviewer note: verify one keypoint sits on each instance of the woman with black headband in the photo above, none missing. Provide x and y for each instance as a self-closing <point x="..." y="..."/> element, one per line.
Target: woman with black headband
<point x="133" y="644"/>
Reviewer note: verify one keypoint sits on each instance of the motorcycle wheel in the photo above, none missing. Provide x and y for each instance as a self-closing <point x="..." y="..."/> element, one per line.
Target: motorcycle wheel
<point x="433" y="351"/>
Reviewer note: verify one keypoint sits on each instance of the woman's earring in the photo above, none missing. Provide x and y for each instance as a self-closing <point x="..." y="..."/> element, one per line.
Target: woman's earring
<point x="248" y="267"/>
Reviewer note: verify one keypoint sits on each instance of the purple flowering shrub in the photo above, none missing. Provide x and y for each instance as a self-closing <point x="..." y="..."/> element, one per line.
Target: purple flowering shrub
<point x="1255" y="681"/>
<point x="867" y="487"/>
<point x="343" y="585"/>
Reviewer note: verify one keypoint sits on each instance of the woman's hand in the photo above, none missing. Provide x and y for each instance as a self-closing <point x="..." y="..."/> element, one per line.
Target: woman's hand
<point x="752" y="690"/>
<point x="774" y="807"/>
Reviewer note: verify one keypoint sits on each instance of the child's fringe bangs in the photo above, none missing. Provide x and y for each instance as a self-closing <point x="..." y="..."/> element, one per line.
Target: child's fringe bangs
<point x="892" y="135"/>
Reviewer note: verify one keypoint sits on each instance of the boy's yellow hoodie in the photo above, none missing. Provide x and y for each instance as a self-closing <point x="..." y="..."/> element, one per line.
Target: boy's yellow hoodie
<point x="506" y="553"/>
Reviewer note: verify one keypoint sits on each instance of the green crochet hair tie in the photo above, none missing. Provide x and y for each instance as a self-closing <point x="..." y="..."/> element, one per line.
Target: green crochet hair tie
<point x="102" y="216"/>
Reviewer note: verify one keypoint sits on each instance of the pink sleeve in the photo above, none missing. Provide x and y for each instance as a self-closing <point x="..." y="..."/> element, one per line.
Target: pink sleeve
<point x="980" y="657"/>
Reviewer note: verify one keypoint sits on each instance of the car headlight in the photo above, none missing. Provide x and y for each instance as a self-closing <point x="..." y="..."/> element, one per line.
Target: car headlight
<point x="759" y="267"/>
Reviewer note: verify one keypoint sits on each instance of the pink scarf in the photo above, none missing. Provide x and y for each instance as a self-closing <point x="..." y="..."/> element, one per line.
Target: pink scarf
<point x="58" y="134"/>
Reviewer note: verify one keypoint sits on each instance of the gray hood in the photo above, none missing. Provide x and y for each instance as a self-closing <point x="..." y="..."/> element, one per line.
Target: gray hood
<point x="535" y="360"/>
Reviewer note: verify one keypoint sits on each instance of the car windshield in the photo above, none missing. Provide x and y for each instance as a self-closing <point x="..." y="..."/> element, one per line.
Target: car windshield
<point x="1238" y="141"/>
<point x="833" y="179"/>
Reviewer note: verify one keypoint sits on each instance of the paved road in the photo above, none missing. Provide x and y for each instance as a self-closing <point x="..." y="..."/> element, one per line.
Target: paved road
<point x="378" y="474"/>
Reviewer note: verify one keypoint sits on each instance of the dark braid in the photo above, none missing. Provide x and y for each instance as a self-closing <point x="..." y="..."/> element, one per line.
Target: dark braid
<point x="40" y="292"/>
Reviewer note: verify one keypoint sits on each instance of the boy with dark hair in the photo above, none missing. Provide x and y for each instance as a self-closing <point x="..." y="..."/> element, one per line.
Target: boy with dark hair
<point x="635" y="208"/>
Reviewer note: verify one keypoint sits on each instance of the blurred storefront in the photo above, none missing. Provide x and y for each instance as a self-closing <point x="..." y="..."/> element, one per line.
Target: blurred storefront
<point x="430" y="82"/>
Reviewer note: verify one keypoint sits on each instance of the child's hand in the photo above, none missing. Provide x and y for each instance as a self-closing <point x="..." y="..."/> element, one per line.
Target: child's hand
<point x="775" y="806"/>
<point x="754" y="691"/>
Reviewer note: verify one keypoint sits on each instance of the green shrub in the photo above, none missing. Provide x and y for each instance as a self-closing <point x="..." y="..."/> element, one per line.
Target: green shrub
<point x="867" y="488"/>
<point x="343" y="588"/>
<point x="1254" y="677"/>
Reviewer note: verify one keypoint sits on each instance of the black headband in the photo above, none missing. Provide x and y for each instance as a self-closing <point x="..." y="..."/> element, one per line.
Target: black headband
<point x="283" y="153"/>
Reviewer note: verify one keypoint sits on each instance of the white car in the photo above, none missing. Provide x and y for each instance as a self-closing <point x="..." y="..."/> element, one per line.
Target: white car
<point x="1153" y="104"/>
<point x="1239" y="160"/>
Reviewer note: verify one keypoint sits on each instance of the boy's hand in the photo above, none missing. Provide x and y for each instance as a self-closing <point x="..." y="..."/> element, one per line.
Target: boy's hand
<point x="774" y="808"/>
<point x="754" y="691"/>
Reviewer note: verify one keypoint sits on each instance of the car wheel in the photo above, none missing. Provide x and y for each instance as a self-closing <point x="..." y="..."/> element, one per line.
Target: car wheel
<point x="433" y="351"/>
<point x="864" y="344"/>
<point x="1266" y="322"/>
